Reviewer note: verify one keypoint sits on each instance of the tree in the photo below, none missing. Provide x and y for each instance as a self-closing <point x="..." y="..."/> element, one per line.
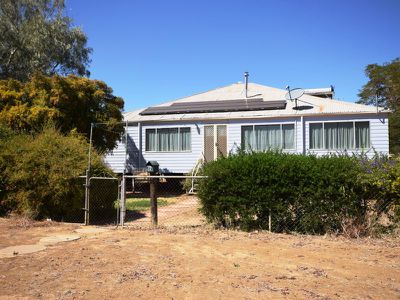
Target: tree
<point x="384" y="87"/>
<point x="72" y="103"/>
<point x="36" y="36"/>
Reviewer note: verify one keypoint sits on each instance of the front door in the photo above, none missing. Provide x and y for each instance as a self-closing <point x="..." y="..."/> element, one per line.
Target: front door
<point x="215" y="142"/>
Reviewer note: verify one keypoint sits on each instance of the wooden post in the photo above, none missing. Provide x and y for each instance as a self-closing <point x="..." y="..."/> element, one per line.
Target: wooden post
<point x="153" y="201"/>
<point x="122" y="203"/>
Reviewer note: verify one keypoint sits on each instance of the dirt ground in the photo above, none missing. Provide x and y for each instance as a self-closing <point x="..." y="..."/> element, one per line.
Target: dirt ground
<point x="184" y="212"/>
<point x="193" y="263"/>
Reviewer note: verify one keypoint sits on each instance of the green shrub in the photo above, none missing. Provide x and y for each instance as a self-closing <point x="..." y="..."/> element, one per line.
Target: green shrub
<point x="42" y="174"/>
<point x="306" y="194"/>
<point x="381" y="180"/>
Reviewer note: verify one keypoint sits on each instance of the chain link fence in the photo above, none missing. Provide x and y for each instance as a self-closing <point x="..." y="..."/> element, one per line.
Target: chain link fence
<point x="94" y="201"/>
<point x="103" y="204"/>
<point x="166" y="201"/>
<point x="172" y="201"/>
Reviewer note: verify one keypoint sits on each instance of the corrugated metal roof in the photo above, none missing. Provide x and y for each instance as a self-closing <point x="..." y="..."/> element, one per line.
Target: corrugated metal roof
<point x="307" y="105"/>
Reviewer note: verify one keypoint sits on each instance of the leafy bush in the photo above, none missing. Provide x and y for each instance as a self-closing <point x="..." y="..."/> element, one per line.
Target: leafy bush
<point x="381" y="181"/>
<point x="306" y="194"/>
<point x="5" y="135"/>
<point x="41" y="174"/>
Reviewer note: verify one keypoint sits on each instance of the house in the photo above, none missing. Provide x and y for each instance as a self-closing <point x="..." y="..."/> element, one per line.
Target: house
<point x="207" y="125"/>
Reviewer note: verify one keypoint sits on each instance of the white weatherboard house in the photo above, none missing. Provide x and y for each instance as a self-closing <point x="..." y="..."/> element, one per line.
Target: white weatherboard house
<point x="179" y="133"/>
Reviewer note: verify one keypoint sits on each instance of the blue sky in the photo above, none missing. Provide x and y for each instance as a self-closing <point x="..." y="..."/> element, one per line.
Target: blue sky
<point x="153" y="51"/>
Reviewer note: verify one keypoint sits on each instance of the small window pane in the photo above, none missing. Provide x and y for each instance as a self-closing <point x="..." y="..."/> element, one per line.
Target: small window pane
<point x="288" y="136"/>
<point x="167" y="139"/>
<point x="345" y="135"/>
<point x="268" y="137"/>
<point x="151" y="140"/>
<point x="362" y="135"/>
<point x="222" y="147"/>
<point x="316" y="141"/>
<point x="185" y="139"/>
<point x="339" y="135"/>
<point x="248" y="138"/>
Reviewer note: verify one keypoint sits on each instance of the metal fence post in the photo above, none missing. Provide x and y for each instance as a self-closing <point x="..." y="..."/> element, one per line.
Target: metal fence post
<point x="87" y="186"/>
<point x="153" y="201"/>
<point x="269" y="221"/>
<point x="122" y="201"/>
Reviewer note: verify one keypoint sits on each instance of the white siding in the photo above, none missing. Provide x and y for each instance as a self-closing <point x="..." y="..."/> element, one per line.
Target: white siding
<point x="176" y="162"/>
<point x="115" y="159"/>
<point x="183" y="162"/>
<point x="379" y="133"/>
<point x="235" y="131"/>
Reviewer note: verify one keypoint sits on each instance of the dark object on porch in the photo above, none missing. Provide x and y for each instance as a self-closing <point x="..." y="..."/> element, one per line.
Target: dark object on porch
<point x="153" y="167"/>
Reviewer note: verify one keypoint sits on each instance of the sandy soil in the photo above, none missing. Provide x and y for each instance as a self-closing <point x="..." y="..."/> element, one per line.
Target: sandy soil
<point x="197" y="263"/>
<point x="185" y="212"/>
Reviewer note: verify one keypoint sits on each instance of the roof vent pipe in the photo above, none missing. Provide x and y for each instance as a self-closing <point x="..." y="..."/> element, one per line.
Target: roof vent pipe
<point x="246" y="80"/>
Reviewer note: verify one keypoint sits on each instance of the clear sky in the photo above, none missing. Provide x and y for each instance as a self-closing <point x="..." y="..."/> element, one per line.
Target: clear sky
<point x="154" y="51"/>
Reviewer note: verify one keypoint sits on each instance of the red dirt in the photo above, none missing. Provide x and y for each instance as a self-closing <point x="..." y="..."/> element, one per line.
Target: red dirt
<point x="198" y="263"/>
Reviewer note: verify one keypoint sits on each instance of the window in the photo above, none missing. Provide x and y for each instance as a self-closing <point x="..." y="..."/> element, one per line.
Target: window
<point x="168" y="139"/>
<point x="339" y="135"/>
<point x="265" y="137"/>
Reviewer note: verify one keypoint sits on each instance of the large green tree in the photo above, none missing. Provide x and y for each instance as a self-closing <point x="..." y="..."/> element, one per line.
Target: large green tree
<point x="37" y="36"/>
<point x="71" y="103"/>
<point x="384" y="87"/>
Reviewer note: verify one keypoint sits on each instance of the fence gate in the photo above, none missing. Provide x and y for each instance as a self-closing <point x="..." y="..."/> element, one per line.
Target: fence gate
<point x="102" y="201"/>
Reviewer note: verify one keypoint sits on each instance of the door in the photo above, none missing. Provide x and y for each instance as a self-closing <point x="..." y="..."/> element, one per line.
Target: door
<point x="215" y="142"/>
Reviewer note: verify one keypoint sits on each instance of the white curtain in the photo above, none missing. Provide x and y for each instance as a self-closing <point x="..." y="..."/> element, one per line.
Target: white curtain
<point x="316" y="141"/>
<point x="248" y="138"/>
<point x="185" y="139"/>
<point x="339" y="135"/>
<point x="362" y="135"/>
<point x="151" y="140"/>
<point x="345" y="135"/>
<point x="268" y="137"/>
<point x="168" y="139"/>
<point x="288" y="136"/>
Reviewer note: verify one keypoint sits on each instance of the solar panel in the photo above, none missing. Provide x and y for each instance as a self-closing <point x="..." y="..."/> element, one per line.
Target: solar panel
<point x="215" y="106"/>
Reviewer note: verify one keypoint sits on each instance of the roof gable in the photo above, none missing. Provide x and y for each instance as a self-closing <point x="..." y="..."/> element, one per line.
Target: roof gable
<point x="188" y="107"/>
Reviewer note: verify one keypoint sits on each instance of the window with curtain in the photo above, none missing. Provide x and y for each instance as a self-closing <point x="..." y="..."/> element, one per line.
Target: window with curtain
<point x="168" y="139"/>
<point x="268" y="137"/>
<point x="339" y="135"/>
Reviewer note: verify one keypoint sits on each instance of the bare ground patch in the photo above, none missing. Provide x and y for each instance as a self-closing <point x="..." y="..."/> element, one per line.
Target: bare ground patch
<point x="202" y="263"/>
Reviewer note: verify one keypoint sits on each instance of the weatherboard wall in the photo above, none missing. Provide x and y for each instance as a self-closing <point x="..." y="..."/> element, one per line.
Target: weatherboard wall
<point x="115" y="159"/>
<point x="176" y="162"/>
<point x="183" y="162"/>
<point x="379" y="133"/>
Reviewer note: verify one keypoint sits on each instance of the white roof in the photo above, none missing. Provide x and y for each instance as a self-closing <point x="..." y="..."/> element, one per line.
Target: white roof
<point x="311" y="105"/>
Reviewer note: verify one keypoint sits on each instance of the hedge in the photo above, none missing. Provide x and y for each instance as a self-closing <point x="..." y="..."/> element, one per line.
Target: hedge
<point x="303" y="193"/>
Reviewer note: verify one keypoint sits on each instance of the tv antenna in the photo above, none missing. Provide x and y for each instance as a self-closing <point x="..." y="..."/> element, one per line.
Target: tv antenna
<point x="294" y="94"/>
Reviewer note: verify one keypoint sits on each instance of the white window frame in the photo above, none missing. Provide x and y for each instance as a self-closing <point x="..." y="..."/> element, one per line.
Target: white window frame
<point x="179" y="141"/>
<point x="272" y="124"/>
<point x="341" y="121"/>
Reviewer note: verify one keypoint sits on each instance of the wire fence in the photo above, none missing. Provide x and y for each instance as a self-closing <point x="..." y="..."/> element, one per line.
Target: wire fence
<point x="145" y="201"/>
<point x="104" y="195"/>
<point x="162" y="201"/>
